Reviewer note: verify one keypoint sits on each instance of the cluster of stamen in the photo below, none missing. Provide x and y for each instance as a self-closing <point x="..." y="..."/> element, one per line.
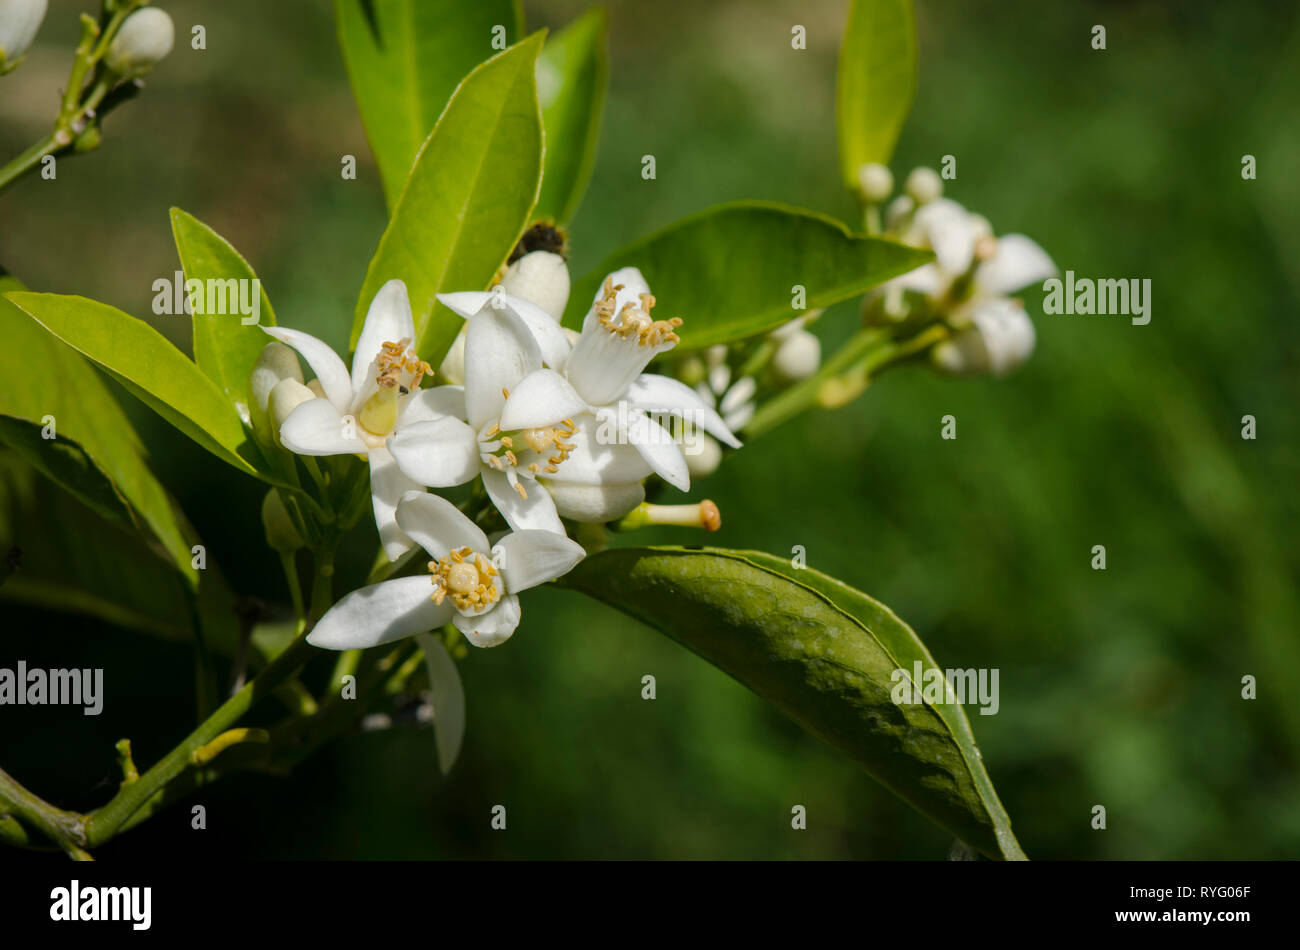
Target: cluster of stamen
<point x="393" y="360"/>
<point x="634" y="320"/>
<point x="547" y="439"/>
<point x="465" y="576"/>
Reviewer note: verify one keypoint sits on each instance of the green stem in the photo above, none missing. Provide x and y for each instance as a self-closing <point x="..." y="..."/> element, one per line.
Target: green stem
<point x="64" y="828"/>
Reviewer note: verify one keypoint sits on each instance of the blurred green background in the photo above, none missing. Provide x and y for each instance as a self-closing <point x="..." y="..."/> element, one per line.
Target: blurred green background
<point x="1119" y="688"/>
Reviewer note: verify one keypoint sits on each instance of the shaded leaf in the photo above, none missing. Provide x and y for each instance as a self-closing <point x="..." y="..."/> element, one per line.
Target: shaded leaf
<point x="572" y="76"/>
<point x="404" y="58"/>
<point x="825" y="655"/>
<point x="732" y="271"/>
<point x="468" y="197"/>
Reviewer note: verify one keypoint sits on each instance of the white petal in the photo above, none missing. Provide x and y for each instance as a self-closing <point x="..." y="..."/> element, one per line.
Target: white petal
<point x="926" y="279"/>
<point x="448" y="699"/>
<point x="431" y="403"/>
<point x="660" y="450"/>
<point x="499" y="353"/>
<point x="738" y="394"/>
<point x="547" y="333"/>
<point x="324" y="362"/>
<point x="1017" y="262"/>
<point x="596" y="503"/>
<point x="951" y="232"/>
<point x="439" y="452"/>
<point x="387" y="486"/>
<point x="379" y="614"/>
<point x="601" y="453"/>
<point x="1007" y="332"/>
<point x="537" y="511"/>
<point x="541" y="399"/>
<point x="316" y="427"/>
<point x="529" y="558"/>
<point x="387" y="321"/>
<point x="437" y="525"/>
<point x="652" y="393"/>
<point x="492" y="628"/>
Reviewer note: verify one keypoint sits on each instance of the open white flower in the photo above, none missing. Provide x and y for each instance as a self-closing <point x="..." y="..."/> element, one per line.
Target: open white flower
<point x="361" y="410"/>
<point x="471" y="584"/>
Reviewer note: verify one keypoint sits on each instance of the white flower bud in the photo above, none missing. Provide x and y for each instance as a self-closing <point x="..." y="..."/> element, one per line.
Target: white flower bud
<point x="703" y="455"/>
<point x="541" y="278"/>
<point x="19" y="21"/>
<point x="281" y="533"/>
<point x="317" y="389"/>
<point x="876" y="182"/>
<point x="276" y="362"/>
<point x="899" y="210"/>
<point x="1000" y="338"/>
<point x="797" y="357"/>
<point x="924" y="185"/>
<point x="452" y="368"/>
<point x="143" y="40"/>
<point x="287" y="396"/>
<point x="595" y="503"/>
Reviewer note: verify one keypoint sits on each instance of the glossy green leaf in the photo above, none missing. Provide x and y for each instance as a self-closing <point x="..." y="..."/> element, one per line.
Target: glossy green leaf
<point x="825" y="655"/>
<point x="468" y="197"/>
<point x="733" y="270"/>
<point x="142" y="359"/>
<point x="96" y="453"/>
<point x="877" y="81"/>
<point x="404" y="58"/>
<point x="66" y="557"/>
<point x="572" y="75"/>
<point x="225" y="347"/>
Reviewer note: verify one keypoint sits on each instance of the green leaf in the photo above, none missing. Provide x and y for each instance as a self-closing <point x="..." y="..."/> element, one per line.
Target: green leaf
<point x="225" y="347"/>
<point x="67" y="558"/>
<point x="572" y="75"/>
<point x="731" y="271"/>
<point x="142" y="359"/>
<point x="877" y="81"/>
<point x="96" y="453"/>
<point x="824" y="654"/>
<point x="404" y="58"/>
<point x="468" y="198"/>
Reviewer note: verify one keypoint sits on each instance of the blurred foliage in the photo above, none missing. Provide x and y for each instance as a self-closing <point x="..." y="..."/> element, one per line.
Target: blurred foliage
<point x="1119" y="688"/>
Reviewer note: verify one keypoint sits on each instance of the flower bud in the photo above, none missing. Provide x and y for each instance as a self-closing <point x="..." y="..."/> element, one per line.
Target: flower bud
<point x="703" y="455"/>
<point x="275" y="363"/>
<point x="924" y="185"/>
<point x="595" y="503"/>
<point x="452" y="368"/>
<point x="541" y="278"/>
<point x="876" y="182"/>
<point x="287" y="396"/>
<point x="797" y="356"/>
<point x="19" y="21"/>
<point x="898" y="213"/>
<point x="999" y="339"/>
<point x="281" y="534"/>
<point x="145" y="38"/>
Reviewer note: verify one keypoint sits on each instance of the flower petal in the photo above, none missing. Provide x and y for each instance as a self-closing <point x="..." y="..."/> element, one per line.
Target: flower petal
<point x="387" y="321"/>
<point x="379" y="614"/>
<point x="431" y="403"/>
<point x="601" y="454"/>
<point x="541" y="399"/>
<point x="660" y="450"/>
<point x="448" y="699"/>
<point x="653" y="393"/>
<point x="1017" y="262"/>
<point x="324" y="362"/>
<point x="951" y="232"/>
<point x="537" y="511"/>
<point x="317" y="427"/>
<point x="596" y="503"/>
<point x="388" y="484"/>
<point x="499" y="353"/>
<point x="439" y="452"/>
<point x="437" y="525"/>
<point x="493" y="628"/>
<point x="529" y="558"/>
<point x="547" y="333"/>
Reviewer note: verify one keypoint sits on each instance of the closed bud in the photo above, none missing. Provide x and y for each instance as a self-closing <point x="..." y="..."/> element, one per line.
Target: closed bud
<point x="703" y="455"/>
<point x="143" y="40"/>
<point x="924" y="185"/>
<point x="541" y="278"/>
<point x="275" y="363"/>
<point x="797" y="356"/>
<point x="452" y="369"/>
<point x="19" y="21"/>
<point x="287" y="396"/>
<point x="595" y="503"/>
<point x="281" y="534"/>
<point x="876" y="182"/>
